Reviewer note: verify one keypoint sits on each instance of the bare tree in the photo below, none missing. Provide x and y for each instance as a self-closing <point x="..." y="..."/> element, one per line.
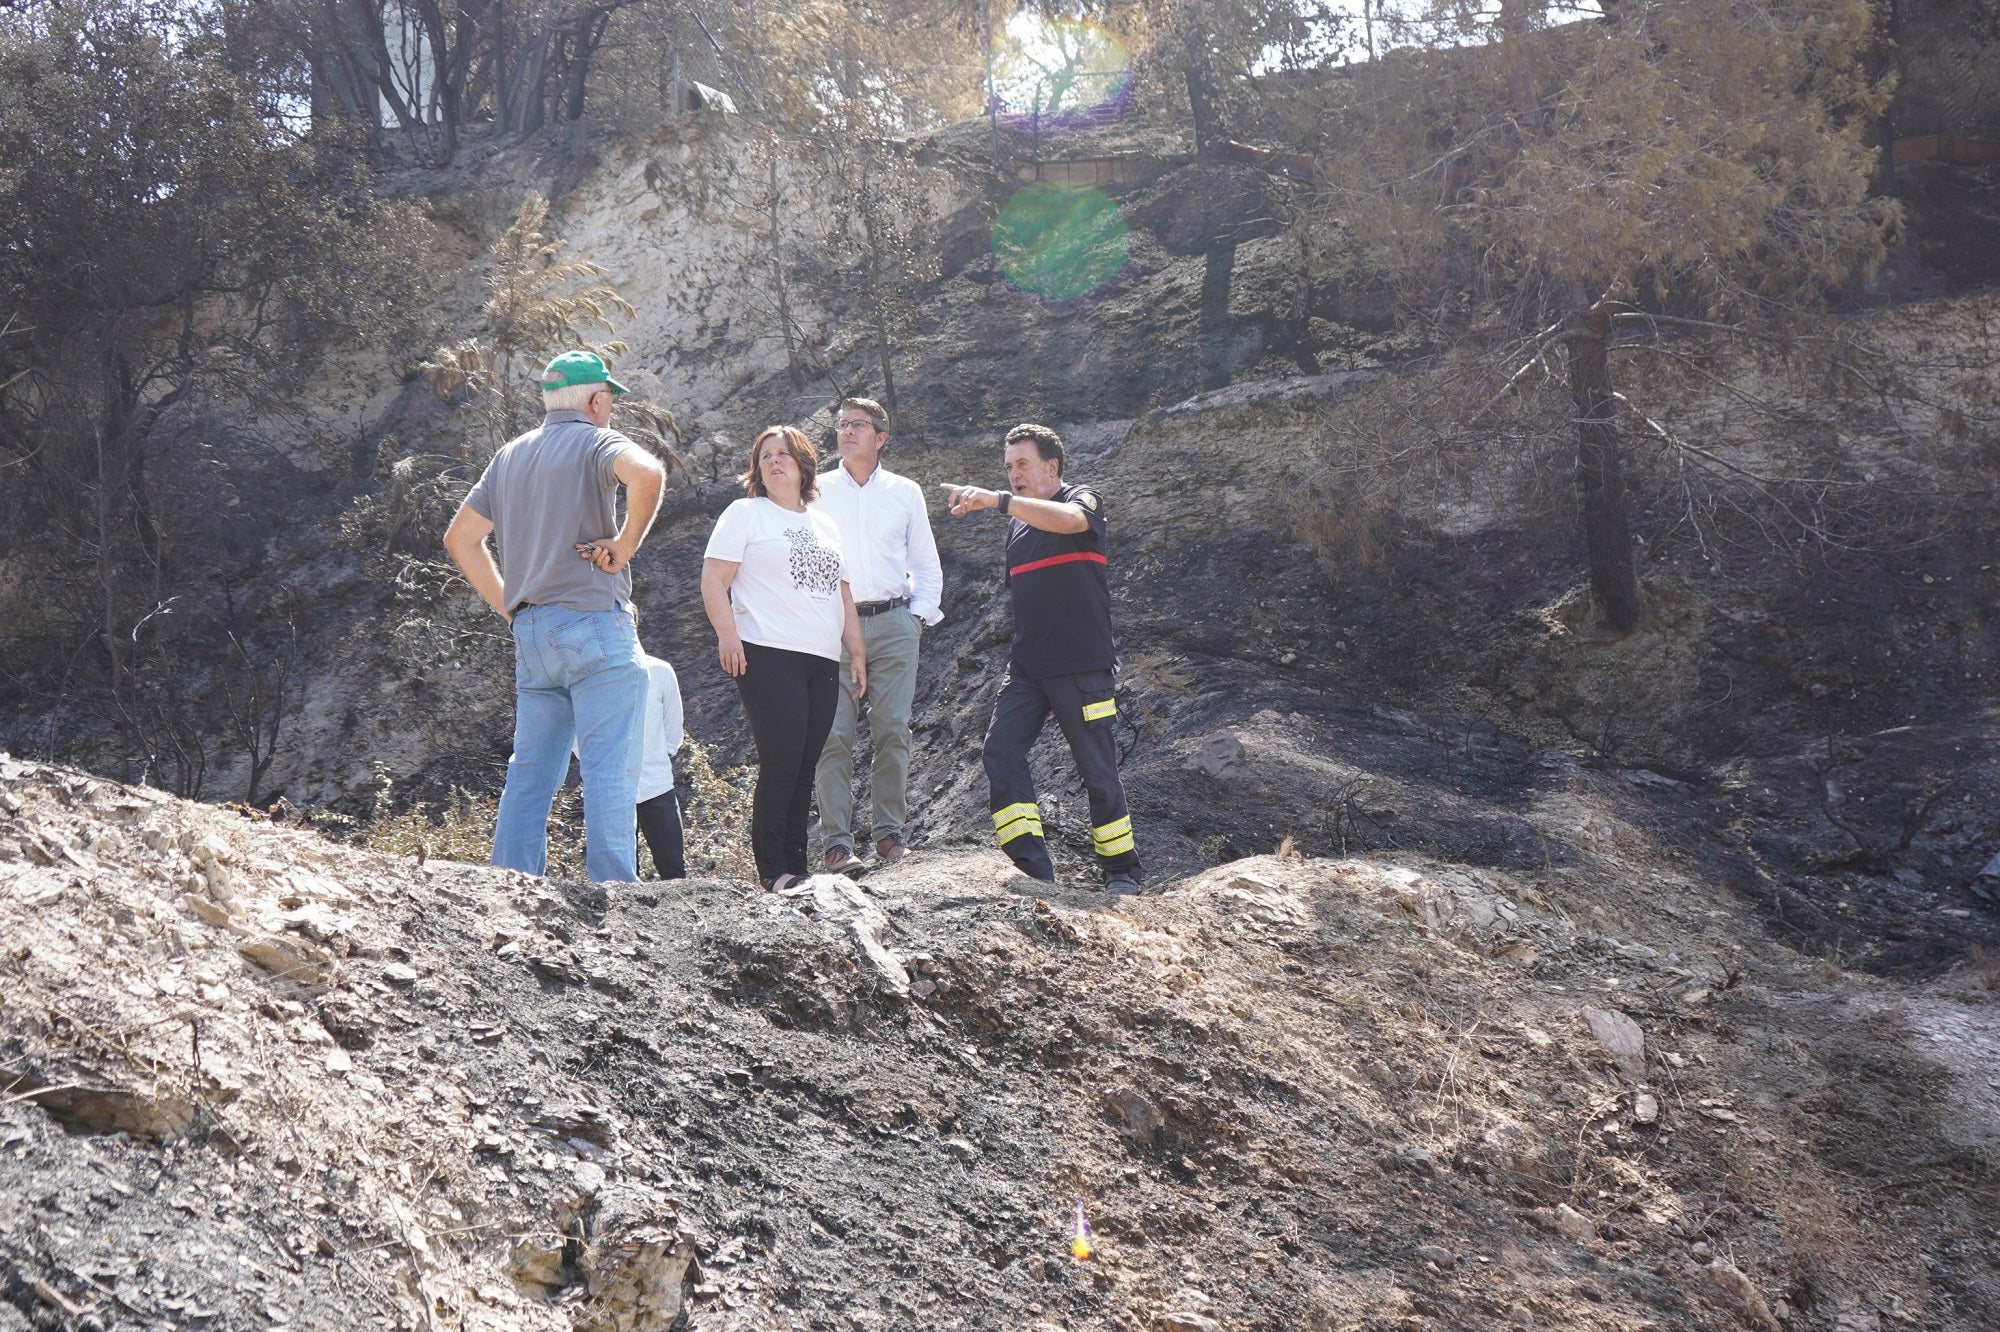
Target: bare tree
<point x="258" y="688"/>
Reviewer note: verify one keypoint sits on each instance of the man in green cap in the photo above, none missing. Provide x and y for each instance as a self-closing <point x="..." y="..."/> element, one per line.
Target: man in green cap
<point x="563" y="581"/>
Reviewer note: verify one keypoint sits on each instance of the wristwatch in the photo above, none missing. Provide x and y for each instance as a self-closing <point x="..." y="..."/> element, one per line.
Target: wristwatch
<point x="1006" y="498"/>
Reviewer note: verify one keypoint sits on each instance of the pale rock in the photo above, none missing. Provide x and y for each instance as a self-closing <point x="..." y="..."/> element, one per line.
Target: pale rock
<point x="1645" y="1107"/>
<point x="1192" y="1299"/>
<point x="1223" y="757"/>
<point x="638" y="1267"/>
<point x="1436" y="1253"/>
<point x="1265" y="900"/>
<point x="1572" y="1224"/>
<point x="1726" y="1280"/>
<point x="837" y="899"/>
<point x="1186" y="1320"/>
<point x="1143" y="1120"/>
<point x="1479" y="912"/>
<point x="290" y="957"/>
<point x="1513" y="1147"/>
<point x="1621" y="1038"/>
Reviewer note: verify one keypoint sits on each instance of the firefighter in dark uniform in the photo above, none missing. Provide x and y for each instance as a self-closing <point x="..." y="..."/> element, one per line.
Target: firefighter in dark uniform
<point x="1062" y="661"/>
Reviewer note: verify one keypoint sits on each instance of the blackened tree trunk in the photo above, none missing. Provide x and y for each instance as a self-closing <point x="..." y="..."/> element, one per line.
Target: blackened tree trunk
<point x="779" y="285"/>
<point x="881" y="279"/>
<point x="1218" y="265"/>
<point x="1201" y="108"/>
<point x="1600" y="471"/>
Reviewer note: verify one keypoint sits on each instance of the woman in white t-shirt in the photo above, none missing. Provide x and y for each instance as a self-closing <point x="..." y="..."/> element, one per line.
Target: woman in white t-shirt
<point x="775" y="587"/>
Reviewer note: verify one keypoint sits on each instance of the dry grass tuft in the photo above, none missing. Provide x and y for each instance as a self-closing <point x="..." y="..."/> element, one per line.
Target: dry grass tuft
<point x="715" y="807"/>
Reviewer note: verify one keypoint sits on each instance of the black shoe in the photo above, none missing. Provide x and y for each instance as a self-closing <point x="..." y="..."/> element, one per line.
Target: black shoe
<point x="1121" y="883"/>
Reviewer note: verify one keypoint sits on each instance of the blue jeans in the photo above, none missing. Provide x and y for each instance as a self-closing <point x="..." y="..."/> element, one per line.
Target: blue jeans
<point x="579" y="678"/>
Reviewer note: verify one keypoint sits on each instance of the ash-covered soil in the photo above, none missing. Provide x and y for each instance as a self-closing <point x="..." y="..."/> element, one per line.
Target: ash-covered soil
<point x="252" y="1079"/>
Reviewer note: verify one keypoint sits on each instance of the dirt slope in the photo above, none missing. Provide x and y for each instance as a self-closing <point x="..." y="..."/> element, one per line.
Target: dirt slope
<point x="252" y="1079"/>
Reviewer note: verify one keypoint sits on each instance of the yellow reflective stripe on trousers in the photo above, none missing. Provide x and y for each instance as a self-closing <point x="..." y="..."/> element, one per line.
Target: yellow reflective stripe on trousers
<point x="1099" y="711"/>
<point x="1113" y="838"/>
<point x="1014" y="820"/>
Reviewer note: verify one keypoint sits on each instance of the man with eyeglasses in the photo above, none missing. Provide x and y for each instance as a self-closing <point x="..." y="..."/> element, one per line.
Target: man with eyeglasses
<point x="892" y="561"/>
<point x="563" y="582"/>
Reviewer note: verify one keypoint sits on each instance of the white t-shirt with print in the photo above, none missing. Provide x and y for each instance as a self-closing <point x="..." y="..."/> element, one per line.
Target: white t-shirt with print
<point x="789" y="569"/>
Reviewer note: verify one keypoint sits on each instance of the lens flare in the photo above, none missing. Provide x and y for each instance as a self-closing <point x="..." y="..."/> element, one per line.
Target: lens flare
<point x="1060" y="241"/>
<point x="1080" y="1247"/>
<point x="1059" y="73"/>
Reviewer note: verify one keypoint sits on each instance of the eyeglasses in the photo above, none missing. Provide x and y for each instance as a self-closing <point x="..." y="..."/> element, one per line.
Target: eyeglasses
<point x="863" y="424"/>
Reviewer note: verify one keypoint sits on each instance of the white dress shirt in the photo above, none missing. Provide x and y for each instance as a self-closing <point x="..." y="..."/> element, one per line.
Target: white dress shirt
<point x="885" y="533"/>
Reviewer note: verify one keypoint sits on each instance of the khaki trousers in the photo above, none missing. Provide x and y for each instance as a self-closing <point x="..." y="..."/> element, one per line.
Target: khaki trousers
<point x="891" y="642"/>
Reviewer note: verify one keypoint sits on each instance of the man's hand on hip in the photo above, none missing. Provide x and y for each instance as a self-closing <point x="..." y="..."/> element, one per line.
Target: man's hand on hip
<point x="605" y="556"/>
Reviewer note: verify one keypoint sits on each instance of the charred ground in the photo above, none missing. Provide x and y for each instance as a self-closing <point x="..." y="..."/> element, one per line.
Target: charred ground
<point x="256" y="1079"/>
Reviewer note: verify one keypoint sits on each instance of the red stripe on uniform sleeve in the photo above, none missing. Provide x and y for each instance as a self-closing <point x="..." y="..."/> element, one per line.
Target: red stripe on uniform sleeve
<point x="1091" y="555"/>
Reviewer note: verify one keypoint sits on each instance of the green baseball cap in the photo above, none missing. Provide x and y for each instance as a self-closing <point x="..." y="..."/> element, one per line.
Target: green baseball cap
<point x="574" y="368"/>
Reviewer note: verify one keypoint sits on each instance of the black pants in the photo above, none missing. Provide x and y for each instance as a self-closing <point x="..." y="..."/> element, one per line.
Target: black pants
<point x="660" y="825"/>
<point x="1085" y="709"/>
<point x="789" y="698"/>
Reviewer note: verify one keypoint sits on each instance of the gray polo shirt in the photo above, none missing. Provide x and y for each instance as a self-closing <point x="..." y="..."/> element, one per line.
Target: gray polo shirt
<point x="544" y="493"/>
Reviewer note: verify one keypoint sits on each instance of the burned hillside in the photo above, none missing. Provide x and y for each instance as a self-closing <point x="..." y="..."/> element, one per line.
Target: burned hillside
<point x="1499" y="966"/>
<point x="256" y="1080"/>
